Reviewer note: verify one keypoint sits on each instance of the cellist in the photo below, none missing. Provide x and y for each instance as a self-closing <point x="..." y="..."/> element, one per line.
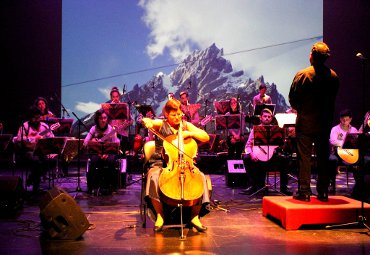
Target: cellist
<point x="168" y="127"/>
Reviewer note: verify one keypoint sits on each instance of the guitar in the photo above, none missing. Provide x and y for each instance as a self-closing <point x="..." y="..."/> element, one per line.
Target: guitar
<point x="109" y="135"/>
<point x="264" y="152"/>
<point x="31" y="145"/>
<point x="349" y="156"/>
<point x="120" y="125"/>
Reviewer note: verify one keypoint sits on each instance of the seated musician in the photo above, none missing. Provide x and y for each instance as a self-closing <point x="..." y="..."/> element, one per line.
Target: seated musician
<point x="43" y="106"/>
<point x="121" y="125"/>
<point x="28" y="134"/>
<point x="166" y="128"/>
<point x="262" y="97"/>
<point x="102" y="170"/>
<point x="256" y="167"/>
<point x="235" y="140"/>
<point x="337" y="136"/>
<point x="190" y="111"/>
<point x="140" y="126"/>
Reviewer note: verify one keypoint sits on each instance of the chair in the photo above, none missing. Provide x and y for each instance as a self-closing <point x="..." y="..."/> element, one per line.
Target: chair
<point x="103" y="179"/>
<point x="343" y="167"/>
<point x="270" y="172"/>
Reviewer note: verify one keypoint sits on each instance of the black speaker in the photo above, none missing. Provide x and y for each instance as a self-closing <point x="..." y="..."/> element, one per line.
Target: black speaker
<point x="61" y="217"/>
<point x="11" y="195"/>
<point x="236" y="175"/>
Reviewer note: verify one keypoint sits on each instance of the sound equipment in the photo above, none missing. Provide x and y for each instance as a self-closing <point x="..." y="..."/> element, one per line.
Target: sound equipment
<point x="11" y="195"/>
<point x="61" y="216"/>
<point x="236" y="175"/>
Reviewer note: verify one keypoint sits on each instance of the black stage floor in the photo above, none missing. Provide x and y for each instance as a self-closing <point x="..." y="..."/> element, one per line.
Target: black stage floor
<point x="235" y="226"/>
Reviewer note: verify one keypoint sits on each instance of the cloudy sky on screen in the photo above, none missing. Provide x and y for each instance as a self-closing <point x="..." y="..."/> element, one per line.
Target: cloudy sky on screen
<point x="125" y="42"/>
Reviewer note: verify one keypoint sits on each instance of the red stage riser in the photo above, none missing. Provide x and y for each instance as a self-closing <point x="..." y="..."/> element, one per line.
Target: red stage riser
<point x="293" y="213"/>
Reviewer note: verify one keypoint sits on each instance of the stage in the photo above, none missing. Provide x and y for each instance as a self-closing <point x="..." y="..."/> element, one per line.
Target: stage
<point x="236" y="225"/>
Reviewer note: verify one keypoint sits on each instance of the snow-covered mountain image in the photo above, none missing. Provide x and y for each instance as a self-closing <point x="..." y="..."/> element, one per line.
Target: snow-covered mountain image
<point x="208" y="77"/>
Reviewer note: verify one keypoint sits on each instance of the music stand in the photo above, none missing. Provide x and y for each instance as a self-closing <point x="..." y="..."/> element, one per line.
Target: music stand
<point x="231" y="121"/>
<point x="102" y="148"/>
<point x="286" y="119"/>
<point x="116" y="111"/>
<point x="361" y="142"/>
<point x="287" y="122"/>
<point x="70" y="149"/>
<point x="222" y="106"/>
<point x="259" y="107"/>
<point x="47" y="146"/>
<point x="267" y="136"/>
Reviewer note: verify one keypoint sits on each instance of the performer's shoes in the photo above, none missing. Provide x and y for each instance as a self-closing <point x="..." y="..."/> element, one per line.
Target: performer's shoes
<point x="199" y="228"/>
<point x="195" y="222"/>
<point x="323" y="197"/>
<point x="158" y="228"/>
<point x="302" y="197"/>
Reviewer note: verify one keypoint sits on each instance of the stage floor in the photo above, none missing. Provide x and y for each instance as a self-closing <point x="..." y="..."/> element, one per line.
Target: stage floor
<point x="236" y="226"/>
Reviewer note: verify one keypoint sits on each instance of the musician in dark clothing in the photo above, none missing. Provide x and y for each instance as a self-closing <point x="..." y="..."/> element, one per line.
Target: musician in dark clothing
<point x="312" y="94"/>
<point x="102" y="172"/>
<point x="235" y="139"/>
<point x="28" y="135"/>
<point x="258" y="161"/>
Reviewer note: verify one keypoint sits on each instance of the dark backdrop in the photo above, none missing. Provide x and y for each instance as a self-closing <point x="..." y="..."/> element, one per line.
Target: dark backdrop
<point x="31" y="54"/>
<point x="347" y="32"/>
<point x="31" y="41"/>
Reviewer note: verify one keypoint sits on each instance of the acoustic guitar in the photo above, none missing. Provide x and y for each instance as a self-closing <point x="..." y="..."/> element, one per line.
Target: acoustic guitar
<point x="264" y="152"/>
<point x="349" y="156"/>
<point x="31" y="146"/>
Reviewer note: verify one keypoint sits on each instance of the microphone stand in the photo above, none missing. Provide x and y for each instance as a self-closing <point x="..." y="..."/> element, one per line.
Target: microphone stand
<point x="78" y="189"/>
<point x="64" y="110"/>
<point x="129" y="102"/>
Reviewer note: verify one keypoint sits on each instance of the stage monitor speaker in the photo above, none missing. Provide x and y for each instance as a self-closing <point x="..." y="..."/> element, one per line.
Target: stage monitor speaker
<point x="236" y="175"/>
<point x="61" y="216"/>
<point x="11" y="195"/>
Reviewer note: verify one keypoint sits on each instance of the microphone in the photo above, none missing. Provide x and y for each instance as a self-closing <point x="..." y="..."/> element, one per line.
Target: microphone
<point x="124" y="89"/>
<point x="360" y="56"/>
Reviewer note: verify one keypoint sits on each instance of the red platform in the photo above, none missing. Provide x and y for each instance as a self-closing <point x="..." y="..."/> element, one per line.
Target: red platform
<point x="293" y="213"/>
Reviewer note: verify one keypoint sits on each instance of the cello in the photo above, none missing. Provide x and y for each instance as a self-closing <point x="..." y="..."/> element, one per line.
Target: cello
<point x="180" y="182"/>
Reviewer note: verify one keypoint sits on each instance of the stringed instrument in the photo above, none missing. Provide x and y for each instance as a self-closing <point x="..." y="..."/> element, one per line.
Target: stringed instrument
<point x="31" y="146"/>
<point x="264" y="152"/>
<point x="349" y="156"/>
<point x="180" y="182"/>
